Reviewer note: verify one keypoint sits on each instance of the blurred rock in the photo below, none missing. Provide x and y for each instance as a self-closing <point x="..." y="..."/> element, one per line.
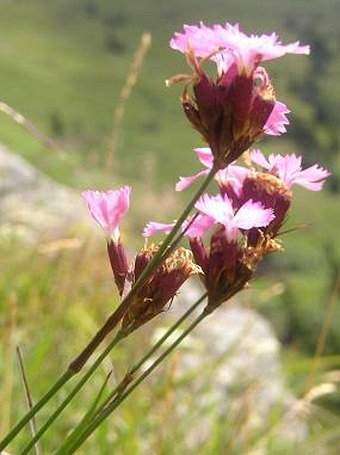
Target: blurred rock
<point x="229" y="371"/>
<point x="32" y="205"/>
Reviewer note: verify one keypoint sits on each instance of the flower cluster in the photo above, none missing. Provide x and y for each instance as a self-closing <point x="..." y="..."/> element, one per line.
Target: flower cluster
<point x="236" y="107"/>
<point x="244" y="218"/>
<point x="231" y="231"/>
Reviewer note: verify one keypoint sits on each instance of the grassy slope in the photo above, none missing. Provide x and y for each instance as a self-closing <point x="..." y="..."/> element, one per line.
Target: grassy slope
<point x="53" y="63"/>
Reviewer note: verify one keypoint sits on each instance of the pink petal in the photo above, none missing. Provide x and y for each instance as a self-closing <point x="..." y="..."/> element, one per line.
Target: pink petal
<point x="153" y="227"/>
<point x="288" y="169"/>
<point x="277" y="120"/>
<point x="255" y="48"/>
<point x="217" y="207"/>
<point x="228" y="44"/>
<point x="200" y="39"/>
<point x="312" y="178"/>
<point x="205" y="156"/>
<point x="184" y="182"/>
<point x="232" y="175"/>
<point x="253" y="214"/>
<point x="198" y="227"/>
<point x="285" y="167"/>
<point x="258" y="157"/>
<point x="108" y="207"/>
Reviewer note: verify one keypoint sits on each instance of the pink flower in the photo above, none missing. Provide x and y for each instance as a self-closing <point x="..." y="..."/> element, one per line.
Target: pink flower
<point x="288" y="169"/>
<point x="228" y="44"/>
<point x="238" y="106"/>
<point x="230" y="261"/>
<point x="108" y="208"/>
<point x="220" y="210"/>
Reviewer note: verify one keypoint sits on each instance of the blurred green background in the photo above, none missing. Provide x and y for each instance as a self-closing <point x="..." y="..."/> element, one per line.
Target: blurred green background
<point x="63" y="64"/>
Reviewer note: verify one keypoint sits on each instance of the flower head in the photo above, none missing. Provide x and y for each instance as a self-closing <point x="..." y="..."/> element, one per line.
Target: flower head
<point x="108" y="208"/>
<point x="227" y="44"/>
<point x="220" y="210"/>
<point x="238" y="241"/>
<point x="230" y="261"/>
<point x="288" y="168"/>
<point x="160" y="288"/>
<point x="238" y="106"/>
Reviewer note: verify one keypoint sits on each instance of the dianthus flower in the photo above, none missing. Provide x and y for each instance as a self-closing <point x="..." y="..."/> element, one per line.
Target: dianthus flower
<point x="288" y="169"/>
<point x="229" y="262"/>
<point x="107" y="209"/>
<point x="239" y="105"/>
<point x="246" y="217"/>
<point x="271" y="185"/>
<point x="219" y="209"/>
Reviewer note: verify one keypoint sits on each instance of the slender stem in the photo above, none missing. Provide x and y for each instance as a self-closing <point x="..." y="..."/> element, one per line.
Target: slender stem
<point x="132" y="373"/>
<point x="119" y="336"/>
<point x="28" y="416"/>
<point x="28" y="397"/>
<point x="104" y="413"/>
<point x="112" y="321"/>
<point x="81" y="383"/>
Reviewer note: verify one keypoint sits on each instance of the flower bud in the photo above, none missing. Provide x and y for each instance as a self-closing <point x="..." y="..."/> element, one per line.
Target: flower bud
<point x="160" y="288"/>
<point x="119" y="263"/>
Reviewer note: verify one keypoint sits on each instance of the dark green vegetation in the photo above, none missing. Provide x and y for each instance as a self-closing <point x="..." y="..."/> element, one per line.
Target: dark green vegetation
<point x="63" y="64"/>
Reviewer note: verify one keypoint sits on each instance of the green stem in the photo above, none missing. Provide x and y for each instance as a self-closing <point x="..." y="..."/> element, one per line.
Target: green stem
<point x="114" y="318"/>
<point x="104" y="413"/>
<point x="119" y="336"/>
<point x="155" y="347"/>
<point x="28" y="416"/>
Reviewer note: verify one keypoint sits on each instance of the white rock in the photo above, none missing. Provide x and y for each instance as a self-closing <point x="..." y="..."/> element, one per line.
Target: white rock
<point x="32" y="205"/>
